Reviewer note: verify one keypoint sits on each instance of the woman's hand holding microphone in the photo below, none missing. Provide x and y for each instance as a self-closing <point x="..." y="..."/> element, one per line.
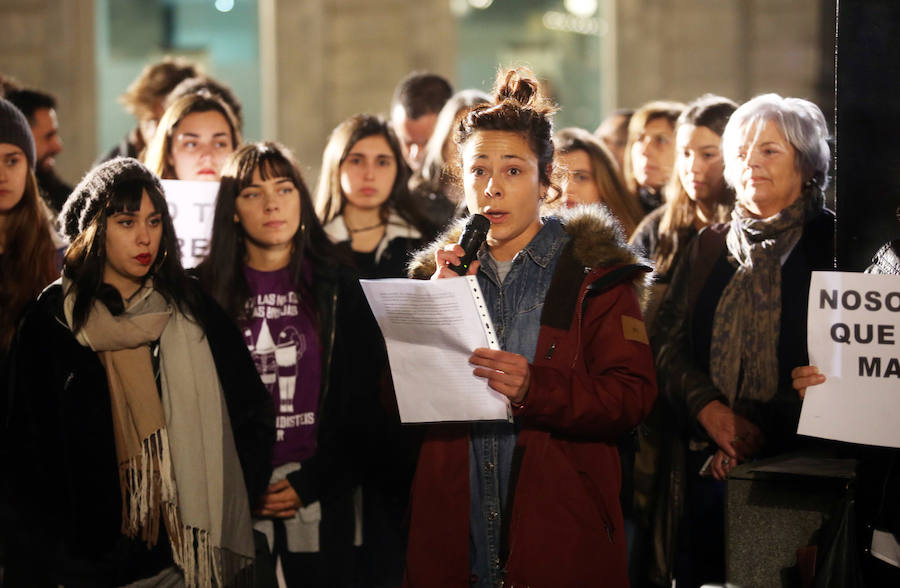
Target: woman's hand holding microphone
<point x="507" y="373"/>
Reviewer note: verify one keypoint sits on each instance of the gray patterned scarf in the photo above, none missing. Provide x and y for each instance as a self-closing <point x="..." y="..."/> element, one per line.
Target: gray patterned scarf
<point x="744" y="349"/>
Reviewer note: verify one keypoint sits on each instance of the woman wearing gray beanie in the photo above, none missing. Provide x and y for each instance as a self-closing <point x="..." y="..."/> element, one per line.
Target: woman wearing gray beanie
<point x="141" y="427"/>
<point x="27" y="252"/>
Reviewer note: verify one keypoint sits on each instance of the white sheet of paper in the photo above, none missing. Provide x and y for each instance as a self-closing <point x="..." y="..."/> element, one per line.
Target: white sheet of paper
<point x="885" y="547"/>
<point x="860" y="399"/>
<point x="431" y="328"/>
<point x="192" y="205"/>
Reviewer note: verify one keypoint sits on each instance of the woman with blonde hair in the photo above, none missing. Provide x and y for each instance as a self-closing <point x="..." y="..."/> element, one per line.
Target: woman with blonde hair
<point x="193" y="138"/>
<point x="590" y="175"/>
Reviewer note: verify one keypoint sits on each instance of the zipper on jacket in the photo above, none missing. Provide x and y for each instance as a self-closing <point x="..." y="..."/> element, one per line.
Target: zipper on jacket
<point x="326" y="374"/>
<point x="550" y="351"/>
<point x="579" y="312"/>
<point x="334" y="318"/>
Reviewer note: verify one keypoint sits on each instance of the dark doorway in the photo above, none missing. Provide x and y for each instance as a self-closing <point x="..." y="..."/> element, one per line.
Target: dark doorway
<point x="868" y="129"/>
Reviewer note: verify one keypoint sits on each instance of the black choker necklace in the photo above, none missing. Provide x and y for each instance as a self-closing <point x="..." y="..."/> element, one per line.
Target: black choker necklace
<point x="362" y="229"/>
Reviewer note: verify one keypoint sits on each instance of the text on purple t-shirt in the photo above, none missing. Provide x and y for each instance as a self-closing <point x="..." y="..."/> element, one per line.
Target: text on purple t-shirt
<point x="281" y="334"/>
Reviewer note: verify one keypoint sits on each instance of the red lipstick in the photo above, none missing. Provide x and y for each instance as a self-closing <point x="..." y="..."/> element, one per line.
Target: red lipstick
<point x="144" y="258"/>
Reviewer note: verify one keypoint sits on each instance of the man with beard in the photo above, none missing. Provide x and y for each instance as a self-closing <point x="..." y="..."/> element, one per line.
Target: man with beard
<point x="40" y="110"/>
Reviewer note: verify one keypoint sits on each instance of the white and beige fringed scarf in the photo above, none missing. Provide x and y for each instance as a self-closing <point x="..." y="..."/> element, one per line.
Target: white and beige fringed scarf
<point x="177" y="458"/>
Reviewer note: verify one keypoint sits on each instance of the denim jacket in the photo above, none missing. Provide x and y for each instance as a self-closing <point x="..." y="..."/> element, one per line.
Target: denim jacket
<point x="515" y="307"/>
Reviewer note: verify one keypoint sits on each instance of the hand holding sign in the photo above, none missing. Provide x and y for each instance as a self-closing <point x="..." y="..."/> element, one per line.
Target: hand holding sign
<point x="806" y="376"/>
<point x="852" y="336"/>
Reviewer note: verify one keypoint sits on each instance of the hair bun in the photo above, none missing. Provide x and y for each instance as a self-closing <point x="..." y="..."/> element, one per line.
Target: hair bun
<point x="521" y="87"/>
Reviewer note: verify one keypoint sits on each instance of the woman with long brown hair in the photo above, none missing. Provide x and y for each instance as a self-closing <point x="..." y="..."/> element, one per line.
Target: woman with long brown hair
<point x="27" y="251"/>
<point x="363" y="198"/>
<point x="316" y="347"/>
<point x="696" y="195"/>
<point x="193" y="138"/>
<point x="364" y="203"/>
<point x="590" y="175"/>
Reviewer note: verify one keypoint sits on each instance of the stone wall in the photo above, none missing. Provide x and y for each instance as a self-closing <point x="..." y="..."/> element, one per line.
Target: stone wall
<point x="679" y="49"/>
<point x="49" y="44"/>
<point x="325" y="60"/>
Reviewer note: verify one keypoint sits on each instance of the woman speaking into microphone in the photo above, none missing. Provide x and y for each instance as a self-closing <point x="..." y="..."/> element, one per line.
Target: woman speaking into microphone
<point x="534" y="501"/>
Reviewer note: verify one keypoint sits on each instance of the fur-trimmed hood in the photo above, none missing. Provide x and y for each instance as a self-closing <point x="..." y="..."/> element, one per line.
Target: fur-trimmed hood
<point x="596" y="234"/>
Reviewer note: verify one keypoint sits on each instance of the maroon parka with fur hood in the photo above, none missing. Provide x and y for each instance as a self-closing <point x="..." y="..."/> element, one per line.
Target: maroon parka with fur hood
<point x="592" y="380"/>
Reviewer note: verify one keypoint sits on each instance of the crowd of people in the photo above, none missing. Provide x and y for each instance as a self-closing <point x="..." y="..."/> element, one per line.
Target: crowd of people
<point x="233" y="423"/>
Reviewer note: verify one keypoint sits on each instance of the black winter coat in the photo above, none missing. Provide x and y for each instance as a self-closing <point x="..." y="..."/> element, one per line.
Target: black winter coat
<point x="353" y="358"/>
<point x="60" y="462"/>
<point x="683" y="331"/>
<point x="681" y="337"/>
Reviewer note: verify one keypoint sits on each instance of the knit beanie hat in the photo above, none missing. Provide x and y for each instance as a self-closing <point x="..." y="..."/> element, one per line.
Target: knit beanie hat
<point x="15" y="130"/>
<point x="94" y="191"/>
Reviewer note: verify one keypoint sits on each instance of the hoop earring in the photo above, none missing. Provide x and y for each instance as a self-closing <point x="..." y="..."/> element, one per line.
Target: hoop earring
<point x="159" y="261"/>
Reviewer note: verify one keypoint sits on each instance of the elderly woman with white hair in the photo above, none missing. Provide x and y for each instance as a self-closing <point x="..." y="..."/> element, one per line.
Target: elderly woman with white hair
<point x="734" y="323"/>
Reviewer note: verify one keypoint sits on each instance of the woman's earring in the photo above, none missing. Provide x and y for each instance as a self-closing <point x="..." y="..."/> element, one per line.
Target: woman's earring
<point x="159" y="261"/>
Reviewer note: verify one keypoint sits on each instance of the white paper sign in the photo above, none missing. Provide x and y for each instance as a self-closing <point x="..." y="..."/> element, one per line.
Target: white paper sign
<point x="854" y="339"/>
<point x="192" y="205"/>
<point x="431" y="328"/>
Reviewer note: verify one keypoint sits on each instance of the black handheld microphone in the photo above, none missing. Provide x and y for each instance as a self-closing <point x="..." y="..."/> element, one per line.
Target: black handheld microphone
<point x="471" y="239"/>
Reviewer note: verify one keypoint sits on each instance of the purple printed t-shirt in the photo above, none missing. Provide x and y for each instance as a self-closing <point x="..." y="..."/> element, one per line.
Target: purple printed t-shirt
<point x="280" y="332"/>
